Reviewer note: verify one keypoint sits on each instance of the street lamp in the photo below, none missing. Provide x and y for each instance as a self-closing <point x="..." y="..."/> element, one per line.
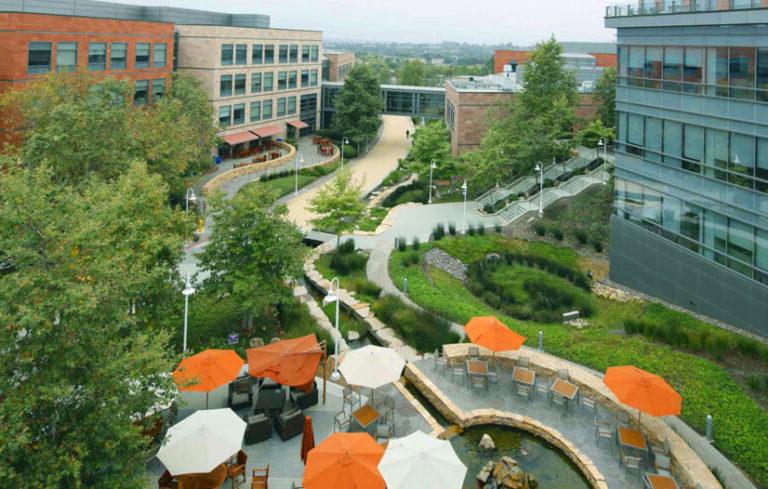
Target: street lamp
<point x="432" y="167"/>
<point x="299" y="162"/>
<point x="603" y="144"/>
<point x="540" y="169"/>
<point x="344" y="142"/>
<point x="464" y="192"/>
<point x="333" y="296"/>
<point x="190" y="197"/>
<point x="188" y="291"/>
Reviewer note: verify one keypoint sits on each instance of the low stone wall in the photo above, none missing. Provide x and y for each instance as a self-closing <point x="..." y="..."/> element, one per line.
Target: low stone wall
<point x="686" y="465"/>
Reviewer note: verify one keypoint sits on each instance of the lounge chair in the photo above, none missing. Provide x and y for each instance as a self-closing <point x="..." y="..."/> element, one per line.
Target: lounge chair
<point x="268" y="398"/>
<point x="259" y="428"/>
<point x="240" y="395"/>
<point x="289" y="424"/>
<point x="304" y="400"/>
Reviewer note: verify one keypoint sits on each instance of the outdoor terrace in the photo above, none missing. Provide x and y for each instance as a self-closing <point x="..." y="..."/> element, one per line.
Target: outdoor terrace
<point x="664" y="7"/>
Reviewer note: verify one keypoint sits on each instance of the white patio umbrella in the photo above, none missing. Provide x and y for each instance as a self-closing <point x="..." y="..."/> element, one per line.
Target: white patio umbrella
<point x="419" y="461"/>
<point x="372" y="366"/>
<point x="201" y="442"/>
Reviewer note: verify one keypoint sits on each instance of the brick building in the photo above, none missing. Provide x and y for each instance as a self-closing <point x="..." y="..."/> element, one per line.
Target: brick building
<point x="336" y="65"/>
<point x="519" y="57"/>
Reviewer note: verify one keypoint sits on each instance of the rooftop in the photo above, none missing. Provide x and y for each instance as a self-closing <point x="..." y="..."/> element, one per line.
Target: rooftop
<point x="664" y="7"/>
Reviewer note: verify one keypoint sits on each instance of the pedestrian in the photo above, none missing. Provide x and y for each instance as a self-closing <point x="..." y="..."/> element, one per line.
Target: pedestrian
<point x="407" y="134"/>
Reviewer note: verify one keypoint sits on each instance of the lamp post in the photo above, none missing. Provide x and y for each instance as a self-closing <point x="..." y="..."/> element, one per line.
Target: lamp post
<point x="188" y="291"/>
<point x="333" y="296"/>
<point x="344" y="142"/>
<point x="189" y="197"/>
<point x="299" y="162"/>
<point x="540" y="169"/>
<point x="464" y="191"/>
<point x="432" y="167"/>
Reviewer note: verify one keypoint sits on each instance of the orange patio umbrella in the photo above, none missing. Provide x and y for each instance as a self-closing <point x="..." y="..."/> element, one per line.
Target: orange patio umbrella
<point x="291" y="362"/>
<point x="644" y="391"/>
<point x="307" y="439"/>
<point x="345" y="461"/>
<point x="489" y="332"/>
<point x="207" y="371"/>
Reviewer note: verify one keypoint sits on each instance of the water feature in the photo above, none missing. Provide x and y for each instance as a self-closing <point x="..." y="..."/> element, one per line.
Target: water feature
<point x="550" y="466"/>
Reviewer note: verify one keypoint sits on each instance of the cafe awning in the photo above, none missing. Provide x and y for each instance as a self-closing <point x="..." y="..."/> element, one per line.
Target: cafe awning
<point x="298" y="124"/>
<point x="267" y="131"/>
<point x="240" y="137"/>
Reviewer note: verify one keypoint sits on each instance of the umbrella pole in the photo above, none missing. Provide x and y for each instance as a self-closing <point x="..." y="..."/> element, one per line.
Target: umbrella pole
<point x="206" y="399"/>
<point x="325" y="377"/>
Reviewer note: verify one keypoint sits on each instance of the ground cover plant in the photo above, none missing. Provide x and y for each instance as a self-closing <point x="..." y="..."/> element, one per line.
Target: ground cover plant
<point x="373" y="219"/>
<point x="583" y="219"/>
<point x="422" y="330"/>
<point x="349" y="266"/>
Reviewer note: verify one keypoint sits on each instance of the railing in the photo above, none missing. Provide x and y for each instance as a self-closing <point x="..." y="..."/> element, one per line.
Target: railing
<point x="662" y="7"/>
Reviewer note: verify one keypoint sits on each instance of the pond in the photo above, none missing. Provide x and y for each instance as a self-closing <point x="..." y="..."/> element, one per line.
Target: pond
<point x="537" y="457"/>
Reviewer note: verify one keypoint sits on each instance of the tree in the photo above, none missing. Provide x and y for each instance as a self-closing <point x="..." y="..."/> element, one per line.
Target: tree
<point x="591" y="134"/>
<point x="412" y="73"/>
<point x="358" y="106"/>
<point x="338" y="205"/>
<point x="88" y="269"/>
<point x="252" y="252"/>
<point x="380" y="69"/>
<point x="431" y="142"/>
<point x="605" y="95"/>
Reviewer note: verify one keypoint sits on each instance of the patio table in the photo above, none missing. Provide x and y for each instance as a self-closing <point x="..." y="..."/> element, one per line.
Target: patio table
<point x="660" y="481"/>
<point x="565" y="389"/>
<point x="477" y="367"/>
<point x="364" y="419"/>
<point x="632" y="438"/>
<point x="524" y="376"/>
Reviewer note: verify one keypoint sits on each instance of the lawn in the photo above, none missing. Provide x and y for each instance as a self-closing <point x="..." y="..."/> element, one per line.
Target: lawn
<point x="582" y="219"/>
<point x="706" y="386"/>
<point x="373" y="219"/>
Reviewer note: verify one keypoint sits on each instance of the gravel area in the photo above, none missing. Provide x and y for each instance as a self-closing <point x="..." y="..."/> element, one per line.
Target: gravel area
<point x="442" y="260"/>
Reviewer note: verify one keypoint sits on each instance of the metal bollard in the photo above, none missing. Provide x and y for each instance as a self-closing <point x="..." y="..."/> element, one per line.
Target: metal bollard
<point x="710" y="438"/>
<point x="405" y="286"/>
<point x="541" y="340"/>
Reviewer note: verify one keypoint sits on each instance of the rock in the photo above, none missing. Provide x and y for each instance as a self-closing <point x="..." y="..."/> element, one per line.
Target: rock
<point x="442" y="260"/>
<point x="353" y="336"/>
<point x="486" y="443"/>
<point x="505" y="474"/>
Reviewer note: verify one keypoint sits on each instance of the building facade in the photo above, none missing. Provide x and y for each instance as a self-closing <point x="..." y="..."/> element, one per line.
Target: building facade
<point x="502" y="57"/>
<point x="691" y="206"/>
<point x="336" y="65"/>
<point x="261" y="82"/>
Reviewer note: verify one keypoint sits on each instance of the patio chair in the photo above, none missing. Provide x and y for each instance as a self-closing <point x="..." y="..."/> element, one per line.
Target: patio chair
<point x="269" y="398"/>
<point x="257" y="342"/>
<point x="631" y="463"/>
<point x="259" y="428"/>
<point x="240" y="395"/>
<point x="352" y="399"/>
<point x="555" y="398"/>
<point x="562" y="374"/>
<point x="289" y="424"/>
<point x="385" y="429"/>
<point x="458" y="372"/>
<point x="524" y="362"/>
<point x="542" y="386"/>
<point x="440" y="361"/>
<point x="474" y="353"/>
<point x="341" y="422"/>
<point x="302" y="399"/>
<point x="166" y="481"/>
<point x="493" y="377"/>
<point x="588" y="401"/>
<point x="623" y="418"/>
<point x="478" y="381"/>
<point x="237" y="469"/>
<point x="260" y="478"/>
<point x="603" y="431"/>
<point x="661" y="459"/>
<point x="386" y="407"/>
<point x="523" y="390"/>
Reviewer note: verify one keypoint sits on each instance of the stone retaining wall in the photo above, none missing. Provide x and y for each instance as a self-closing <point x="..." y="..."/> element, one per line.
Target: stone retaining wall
<point x="686" y="465"/>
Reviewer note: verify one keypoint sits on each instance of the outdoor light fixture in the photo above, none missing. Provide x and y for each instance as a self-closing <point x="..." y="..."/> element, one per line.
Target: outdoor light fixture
<point x="299" y="163"/>
<point x="432" y="167"/>
<point x="190" y="197"/>
<point x="188" y="291"/>
<point x="331" y="297"/>
<point x="464" y="191"/>
<point x="540" y="169"/>
<point x="344" y="142"/>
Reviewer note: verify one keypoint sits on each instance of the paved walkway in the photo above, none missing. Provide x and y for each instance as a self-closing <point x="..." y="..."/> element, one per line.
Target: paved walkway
<point x="370" y="170"/>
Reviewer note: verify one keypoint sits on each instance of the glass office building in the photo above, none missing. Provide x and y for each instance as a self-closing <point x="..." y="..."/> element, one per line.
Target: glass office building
<point x="691" y="205"/>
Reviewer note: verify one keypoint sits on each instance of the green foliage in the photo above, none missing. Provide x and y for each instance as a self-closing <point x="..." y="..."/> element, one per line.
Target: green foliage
<point x="379" y="68"/>
<point x="557" y="233"/>
<point x="471" y="229"/>
<point x="359" y="105"/>
<point x="585" y="216"/>
<point x="497" y="227"/>
<point x="282" y="186"/>
<point x="415" y="192"/>
<point x="581" y="236"/>
<point x="410" y="258"/>
<point x="412" y="73"/>
<point x="480" y="229"/>
<point x="438" y="232"/>
<point x="421" y="330"/>
<point x="590" y="135"/>
<point x="374" y="218"/>
<point x="540" y="228"/>
<point x="402" y="244"/>
<point x="415" y="243"/>
<point x="432" y="143"/>
<point x="345" y="263"/>
<point x="452" y="229"/>
<point x="597" y="245"/>
<point x="338" y="205"/>
<point x="605" y="96"/>
<point x="350" y="152"/>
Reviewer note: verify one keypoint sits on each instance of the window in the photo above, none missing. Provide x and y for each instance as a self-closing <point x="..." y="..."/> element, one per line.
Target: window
<point x="118" y="56"/>
<point x="305" y="53"/>
<point x="97" y="56"/>
<point x="283" y="54"/>
<point x="761" y="169"/>
<point x="693" y="148"/>
<point x="762" y="74"/>
<point x="673" y="68"/>
<point x="742" y="160"/>
<point x="761" y="256"/>
<point x="653" y="138"/>
<point x="257" y="54"/>
<point x="142" y="55"/>
<point x="282" y="80"/>
<point x="269" y="79"/>
<point x="653" y="63"/>
<point x="740" y="246"/>
<point x="255" y="82"/>
<point x="716" y="154"/>
<point x="158" y="89"/>
<point x="741" y="72"/>
<point x="315" y="56"/>
<point x="225" y="116"/>
<point x="717" y="71"/>
<point x="623" y="61"/>
<point x="294" y="54"/>
<point x="141" y="93"/>
<point x="304" y="78"/>
<point x="313" y="78"/>
<point x="269" y="54"/>
<point x="66" y="56"/>
<point x="225" y="86"/>
<point x="39" y="57"/>
<point x="635" y="134"/>
<point x="240" y="84"/>
<point x="227" y="54"/>
<point x="673" y="142"/>
<point x="636" y="62"/>
<point x="291" y="105"/>
<point x="281" y="107"/>
<point x="238" y="114"/>
<point x="670" y="214"/>
<point x="292" y="79"/>
<point x="266" y="110"/>
<point x="241" y="54"/>
<point x="690" y="227"/>
<point x="159" y="55"/>
<point x="693" y="69"/>
<point x="255" y="111"/>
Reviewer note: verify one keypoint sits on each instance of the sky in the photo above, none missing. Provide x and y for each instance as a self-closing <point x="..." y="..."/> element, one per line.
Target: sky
<point x="520" y="22"/>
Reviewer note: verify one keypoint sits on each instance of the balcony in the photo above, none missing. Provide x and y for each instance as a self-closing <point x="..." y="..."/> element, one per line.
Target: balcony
<point x="664" y="7"/>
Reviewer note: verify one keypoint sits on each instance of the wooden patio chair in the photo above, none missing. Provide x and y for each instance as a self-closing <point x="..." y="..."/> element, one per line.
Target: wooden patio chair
<point x="260" y="478"/>
<point x="237" y="469"/>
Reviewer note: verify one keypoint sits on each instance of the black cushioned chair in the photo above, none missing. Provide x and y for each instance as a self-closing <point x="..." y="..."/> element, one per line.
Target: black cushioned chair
<point x="289" y="424"/>
<point x="240" y="395"/>
<point x="259" y="428"/>
<point x="304" y="400"/>
<point x="268" y="398"/>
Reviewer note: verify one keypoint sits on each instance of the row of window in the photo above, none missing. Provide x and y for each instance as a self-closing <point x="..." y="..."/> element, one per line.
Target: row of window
<point x="142" y="94"/>
<point x="101" y="55"/>
<point x="731" y="157"/>
<point x="234" y="115"/>
<point x="723" y="72"/>
<point x="265" y="82"/>
<point x="730" y="242"/>
<point x="264" y="54"/>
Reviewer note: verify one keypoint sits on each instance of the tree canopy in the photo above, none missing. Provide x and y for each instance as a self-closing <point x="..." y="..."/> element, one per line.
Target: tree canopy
<point x="358" y="106"/>
<point x="605" y="95"/>
<point x="412" y="73"/>
<point x="431" y="142"/>
<point x="338" y="205"/>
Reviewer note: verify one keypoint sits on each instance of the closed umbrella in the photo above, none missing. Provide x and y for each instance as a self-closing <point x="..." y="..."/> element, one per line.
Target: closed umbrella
<point x="344" y="461"/>
<point x="644" y="391"/>
<point x="207" y="371"/>
<point x="372" y="366"/>
<point x="307" y="439"/>
<point x="202" y="441"/>
<point x="419" y="461"/>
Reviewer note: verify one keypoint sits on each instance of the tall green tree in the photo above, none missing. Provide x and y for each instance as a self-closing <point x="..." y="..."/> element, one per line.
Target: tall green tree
<point x="86" y="271"/>
<point x="338" y="205"/>
<point x="412" y="73"/>
<point x="358" y="106"/>
<point x="431" y="142"/>
<point x="252" y="252"/>
<point x="605" y="95"/>
<point x="379" y="67"/>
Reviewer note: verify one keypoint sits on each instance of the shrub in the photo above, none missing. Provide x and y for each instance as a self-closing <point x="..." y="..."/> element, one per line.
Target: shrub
<point x="471" y="229"/>
<point x="346" y="247"/>
<point x="415" y="243"/>
<point x="597" y="245"/>
<point x="748" y="346"/>
<point x="497" y="227"/>
<point x="581" y="236"/>
<point x="415" y="192"/>
<point x="438" y="232"/>
<point x="557" y="233"/>
<point x="489" y="209"/>
<point x="365" y="287"/>
<point x="540" y="228"/>
<point x="347" y="263"/>
<point x="754" y="382"/>
<point x="410" y="258"/>
<point x="349" y="152"/>
<point x="402" y="245"/>
<point x="452" y="229"/>
<point x="421" y="330"/>
<point x="480" y="229"/>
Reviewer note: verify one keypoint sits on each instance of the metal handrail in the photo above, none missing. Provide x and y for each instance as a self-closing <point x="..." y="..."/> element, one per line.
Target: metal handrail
<point x="663" y="7"/>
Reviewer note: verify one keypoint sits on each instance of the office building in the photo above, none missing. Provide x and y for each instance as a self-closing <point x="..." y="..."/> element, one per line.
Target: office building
<point x="691" y="206"/>
<point x="336" y="65"/>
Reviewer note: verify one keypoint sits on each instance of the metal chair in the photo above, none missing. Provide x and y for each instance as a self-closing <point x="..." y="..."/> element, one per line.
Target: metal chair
<point x="661" y="459"/>
<point x="562" y="374"/>
<point x="478" y="381"/>
<point x="341" y="422"/>
<point x="524" y="362"/>
<point x="523" y="390"/>
<point x="440" y="360"/>
<point x="589" y="402"/>
<point x="458" y="372"/>
<point x="603" y="431"/>
<point x="631" y="463"/>
<point x="385" y="429"/>
<point x="474" y="353"/>
<point x="542" y="386"/>
<point x="351" y="399"/>
<point x="493" y="377"/>
<point x="386" y="408"/>
<point x="556" y="398"/>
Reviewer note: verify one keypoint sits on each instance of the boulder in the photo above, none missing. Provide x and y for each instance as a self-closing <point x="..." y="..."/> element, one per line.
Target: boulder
<point x="486" y="443"/>
<point x="505" y="474"/>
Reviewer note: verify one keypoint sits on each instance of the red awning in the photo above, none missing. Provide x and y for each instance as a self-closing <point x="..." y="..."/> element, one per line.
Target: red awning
<point x="240" y="137"/>
<point x="267" y="131"/>
<point x="298" y="124"/>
